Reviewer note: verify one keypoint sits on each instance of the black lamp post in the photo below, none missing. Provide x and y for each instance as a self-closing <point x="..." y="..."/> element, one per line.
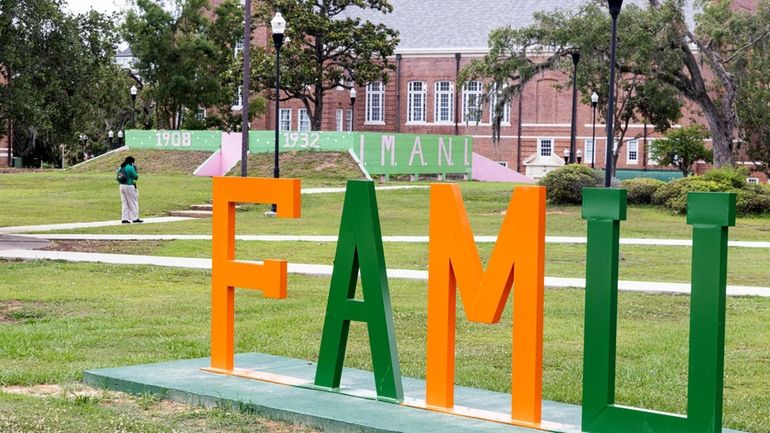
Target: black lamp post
<point x="594" y="101"/>
<point x="353" y="94"/>
<point x="121" y="142"/>
<point x="134" y="90"/>
<point x="110" y="136"/>
<point x="567" y="154"/>
<point x="573" y="130"/>
<point x="245" y="88"/>
<point x="615" y="6"/>
<point x="278" y="24"/>
<point x="579" y="156"/>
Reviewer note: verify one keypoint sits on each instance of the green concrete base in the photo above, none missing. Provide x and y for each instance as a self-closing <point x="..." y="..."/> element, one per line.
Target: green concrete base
<point x="185" y="382"/>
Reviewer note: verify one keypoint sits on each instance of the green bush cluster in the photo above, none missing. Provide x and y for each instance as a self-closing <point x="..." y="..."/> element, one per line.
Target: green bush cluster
<point x="641" y="190"/>
<point x="565" y="184"/>
<point x="751" y="199"/>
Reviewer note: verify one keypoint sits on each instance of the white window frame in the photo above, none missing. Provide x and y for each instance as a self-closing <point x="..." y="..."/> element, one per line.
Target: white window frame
<point x="238" y="48"/>
<point x="238" y="102"/>
<point x="650" y="160"/>
<point x="446" y="104"/>
<point x="632" y="152"/>
<point x="339" y="120"/>
<point x="303" y="120"/>
<point x="348" y="120"/>
<point x="506" y="119"/>
<point x="375" y="103"/>
<point x="200" y="114"/>
<point x="417" y="102"/>
<point x="472" y="100"/>
<point x="540" y="146"/>
<point x="589" y="148"/>
<point x="754" y="180"/>
<point x="284" y="119"/>
<point x="503" y="163"/>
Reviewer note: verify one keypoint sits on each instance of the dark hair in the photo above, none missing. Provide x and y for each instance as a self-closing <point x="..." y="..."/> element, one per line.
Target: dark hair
<point x="129" y="160"/>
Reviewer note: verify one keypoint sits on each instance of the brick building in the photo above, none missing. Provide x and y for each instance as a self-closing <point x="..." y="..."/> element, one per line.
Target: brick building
<point x="437" y="39"/>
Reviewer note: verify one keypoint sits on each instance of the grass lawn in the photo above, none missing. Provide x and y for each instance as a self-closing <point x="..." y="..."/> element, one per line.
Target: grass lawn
<point x="60" y="319"/>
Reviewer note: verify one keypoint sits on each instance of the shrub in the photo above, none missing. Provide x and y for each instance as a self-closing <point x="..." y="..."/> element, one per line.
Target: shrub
<point x="733" y="176"/>
<point x="673" y="195"/>
<point x="565" y="184"/>
<point x="753" y="199"/>
<point x="640" y="190"/>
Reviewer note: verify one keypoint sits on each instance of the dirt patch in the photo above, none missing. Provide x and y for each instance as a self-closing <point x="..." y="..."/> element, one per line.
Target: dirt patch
<point x="107" y="247"/>
<point x="19" y="311"/>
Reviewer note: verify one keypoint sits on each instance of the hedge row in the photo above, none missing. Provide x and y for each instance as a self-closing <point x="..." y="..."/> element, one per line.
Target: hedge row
<point x="564" y="186"/>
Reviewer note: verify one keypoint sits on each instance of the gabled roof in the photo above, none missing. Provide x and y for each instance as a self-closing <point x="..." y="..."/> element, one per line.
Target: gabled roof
<point x="464" y="25"/>
<point x="125" y="53"/>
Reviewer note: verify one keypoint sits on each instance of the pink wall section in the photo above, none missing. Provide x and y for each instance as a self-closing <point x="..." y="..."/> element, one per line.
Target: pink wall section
<point x="224" y="159"/>
<point x="485" y="169"/>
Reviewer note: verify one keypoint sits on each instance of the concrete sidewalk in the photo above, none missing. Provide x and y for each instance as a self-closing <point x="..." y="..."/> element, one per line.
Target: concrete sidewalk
<point x="74" y="226"/>
<point x="393" y="239"/>
<point x="326" y="270"/>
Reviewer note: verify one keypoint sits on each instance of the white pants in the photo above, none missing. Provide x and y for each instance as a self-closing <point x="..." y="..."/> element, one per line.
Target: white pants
<point x="129" y="197"/>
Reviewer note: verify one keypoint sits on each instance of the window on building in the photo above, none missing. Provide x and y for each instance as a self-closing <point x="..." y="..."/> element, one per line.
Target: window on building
<point x="545" y="146"/>
<point x="493" y="98"/>
<point x="444" y="103"/>
<point x="200" y="114"/>
<point x="284" y="119"/>
<point x="588" y="151"/>
<point x="632" y="152"/>
<point x="238" y="48"/>
<point x="348" y="120"/>
<point x="752" y="180"/>
<point x="238" y="99"/>
<point x="303" y="120"/>
<point x="339" y="120"/>
<point x="375" y="99"/>
<point x="503" y="163"/>
<point x="472" y="101"/>
<point x="650" y="159"/>
<point x="417" y="102"/>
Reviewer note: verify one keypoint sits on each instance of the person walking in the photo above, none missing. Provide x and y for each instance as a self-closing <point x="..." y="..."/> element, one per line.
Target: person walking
<point x="129" y="194"/>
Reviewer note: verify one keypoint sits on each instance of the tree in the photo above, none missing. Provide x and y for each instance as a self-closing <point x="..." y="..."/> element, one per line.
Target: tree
<point x="682" y="147"/>
<point x="753" y="97"/>
<point x="186" y="57"/>
<point x="58" y="80"/>
<point x="326" y="49"/>
<point x="660" y="51"/>
<point x="641" y="97"/>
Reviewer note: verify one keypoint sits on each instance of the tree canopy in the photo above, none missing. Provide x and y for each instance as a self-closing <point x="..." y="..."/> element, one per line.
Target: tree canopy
<point x="681" y="148"/>
<point x="186" y="57"/>
<point x="660" y="60"/>
<point x="59" y="80"/>
<point x="327" y="47"/>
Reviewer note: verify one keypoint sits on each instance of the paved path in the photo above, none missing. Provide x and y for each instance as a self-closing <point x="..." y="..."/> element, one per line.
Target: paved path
<point x="72" y="226"/>
<point x="394" y="239"/>
<point x="326" y="270"/>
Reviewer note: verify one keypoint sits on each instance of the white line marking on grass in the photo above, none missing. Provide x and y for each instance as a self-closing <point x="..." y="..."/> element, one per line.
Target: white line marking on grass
<point x="343" y="189"/>
<point x="393" y="239"/>
<point x="326" y="270"/>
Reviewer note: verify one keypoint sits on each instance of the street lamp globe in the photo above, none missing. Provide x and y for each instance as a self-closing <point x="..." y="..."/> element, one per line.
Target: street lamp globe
<point x="278" y="24"/>
<point x="120" y="134"/>
<point x="353" y="95"/>
<point x="134" y="91"/>
<point x="594" y="99"/>
<point x="110" y="134"/>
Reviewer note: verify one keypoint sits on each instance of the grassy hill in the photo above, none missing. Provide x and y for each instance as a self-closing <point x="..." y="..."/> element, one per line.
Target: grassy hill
<point x="324" y="167"/>
<point x="148" y="162"/>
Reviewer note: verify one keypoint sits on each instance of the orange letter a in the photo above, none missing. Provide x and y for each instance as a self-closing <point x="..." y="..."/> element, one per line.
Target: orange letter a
<point x="454" y="261"/>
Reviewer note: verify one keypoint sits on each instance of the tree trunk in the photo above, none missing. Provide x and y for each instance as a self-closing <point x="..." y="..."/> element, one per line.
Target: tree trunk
<point x="721" y="130"/>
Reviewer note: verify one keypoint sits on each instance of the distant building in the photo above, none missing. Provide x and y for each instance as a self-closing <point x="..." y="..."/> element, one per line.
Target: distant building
<point x="125" y="59"/>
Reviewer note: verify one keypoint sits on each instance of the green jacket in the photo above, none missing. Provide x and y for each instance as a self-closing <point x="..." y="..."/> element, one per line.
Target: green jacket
<point x="131" y="174"/>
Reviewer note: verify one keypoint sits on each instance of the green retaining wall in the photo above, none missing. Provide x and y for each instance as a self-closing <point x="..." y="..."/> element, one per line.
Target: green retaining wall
<point x="664" y="175"/>
<point x="381" y="153"/>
